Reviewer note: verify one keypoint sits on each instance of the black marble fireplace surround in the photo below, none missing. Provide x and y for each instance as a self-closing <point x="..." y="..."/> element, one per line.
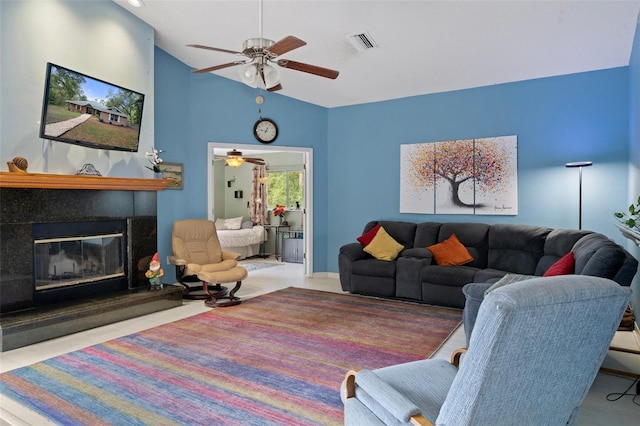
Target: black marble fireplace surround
<point x="83" y="206"/>
<point x="21" y="208"/>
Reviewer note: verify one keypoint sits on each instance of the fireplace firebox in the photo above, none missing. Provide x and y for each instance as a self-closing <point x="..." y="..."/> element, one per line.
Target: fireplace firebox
<point x="78" y="259"/>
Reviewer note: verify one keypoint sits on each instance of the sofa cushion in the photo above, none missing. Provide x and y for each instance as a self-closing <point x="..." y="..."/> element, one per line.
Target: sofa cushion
<point x="427" y="234"/>
<point x="450" y="252"/>
<point x="488" y="275"/>
<point x="557" y="244"/>
<point x="474" y="236"/>
<point x="403" y="232"/>
<point x="566" y="265"/>
<point x="585" y="249"/>
<point x="374" y="268"/>
<point x="605" y="262"/>
<point x="366" y="238"/>
<point x="516" y="248"/>
<point x="452" y="276"/>
<point x="383" y="246"/>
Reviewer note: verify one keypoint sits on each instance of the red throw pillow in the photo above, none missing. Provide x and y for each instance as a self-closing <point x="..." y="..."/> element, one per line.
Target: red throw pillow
<point x="365" y="239"/>
<point x="564" y="266"/>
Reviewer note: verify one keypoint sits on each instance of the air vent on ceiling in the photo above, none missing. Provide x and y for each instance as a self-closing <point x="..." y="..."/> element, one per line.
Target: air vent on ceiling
<point x="361" y="41"/>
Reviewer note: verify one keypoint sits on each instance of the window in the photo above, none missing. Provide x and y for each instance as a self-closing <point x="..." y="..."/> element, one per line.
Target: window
<point x="286" y="188"/>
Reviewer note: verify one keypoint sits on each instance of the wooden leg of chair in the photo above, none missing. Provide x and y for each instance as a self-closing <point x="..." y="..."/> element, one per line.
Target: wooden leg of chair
<point x="350" y="383"/>
<point x="420" y="420"/>
<point x="234" y="289"/>
<point x="219" y="302"/>
<point x="456" y="355"/>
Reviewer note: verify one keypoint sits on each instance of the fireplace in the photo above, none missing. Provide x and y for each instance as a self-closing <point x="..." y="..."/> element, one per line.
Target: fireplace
<point x="78" y="259"/>
<point x="57" y="245"/>
<point x="73" y="254"/>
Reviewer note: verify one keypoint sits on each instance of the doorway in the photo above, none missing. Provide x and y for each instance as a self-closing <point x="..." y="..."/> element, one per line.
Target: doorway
<point x="218" y="187"/>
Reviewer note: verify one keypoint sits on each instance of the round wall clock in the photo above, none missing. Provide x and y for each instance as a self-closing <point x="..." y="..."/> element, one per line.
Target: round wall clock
<point x="265" y="130"/>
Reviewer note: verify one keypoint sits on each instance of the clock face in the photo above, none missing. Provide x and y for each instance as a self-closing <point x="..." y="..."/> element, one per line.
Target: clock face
<point x="265" y="130"/>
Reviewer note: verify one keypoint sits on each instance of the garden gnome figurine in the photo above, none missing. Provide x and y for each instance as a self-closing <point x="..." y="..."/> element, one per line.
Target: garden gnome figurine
<point x="155" y="273"/>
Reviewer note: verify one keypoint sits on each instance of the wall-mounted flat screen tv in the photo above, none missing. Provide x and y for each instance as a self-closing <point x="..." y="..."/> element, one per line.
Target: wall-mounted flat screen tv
<point x="86" y="111"/>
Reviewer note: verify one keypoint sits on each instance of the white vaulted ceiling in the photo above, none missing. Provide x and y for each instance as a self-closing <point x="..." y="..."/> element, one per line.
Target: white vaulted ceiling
<point x="423" y="46"/>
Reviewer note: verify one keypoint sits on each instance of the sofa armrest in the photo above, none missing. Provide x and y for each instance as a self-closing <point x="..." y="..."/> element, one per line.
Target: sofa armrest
<point x="354" y="251"/>
<point x="420" y="253"/>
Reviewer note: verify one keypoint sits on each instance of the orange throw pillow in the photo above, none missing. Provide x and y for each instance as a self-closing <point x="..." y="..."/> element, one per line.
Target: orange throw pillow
<point x="450" y="252"/>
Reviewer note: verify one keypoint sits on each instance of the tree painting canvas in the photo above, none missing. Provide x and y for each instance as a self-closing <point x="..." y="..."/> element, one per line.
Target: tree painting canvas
<point x="471" y="176"/>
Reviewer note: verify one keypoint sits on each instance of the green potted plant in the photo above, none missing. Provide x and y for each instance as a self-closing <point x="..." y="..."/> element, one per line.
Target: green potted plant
<point x="629" y="222"/>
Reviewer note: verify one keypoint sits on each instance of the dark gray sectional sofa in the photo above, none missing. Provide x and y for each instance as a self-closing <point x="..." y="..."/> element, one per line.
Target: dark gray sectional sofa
<point x="496" y="250"/>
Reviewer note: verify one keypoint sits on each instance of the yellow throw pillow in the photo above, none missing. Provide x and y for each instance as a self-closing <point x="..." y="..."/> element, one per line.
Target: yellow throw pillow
<point x="383" y="246"/>
<point x="450" y="252"/>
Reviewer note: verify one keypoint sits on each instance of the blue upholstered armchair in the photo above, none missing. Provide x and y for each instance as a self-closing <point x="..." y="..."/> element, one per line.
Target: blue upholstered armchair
<point x="536" y="348"/>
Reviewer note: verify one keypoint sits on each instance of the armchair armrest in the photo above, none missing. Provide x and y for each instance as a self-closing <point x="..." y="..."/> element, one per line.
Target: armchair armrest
<point x="387" y="396"/>
<point x="177" y="261"/>
<point x="354" y="251"/>
<point x="230" y="255"/>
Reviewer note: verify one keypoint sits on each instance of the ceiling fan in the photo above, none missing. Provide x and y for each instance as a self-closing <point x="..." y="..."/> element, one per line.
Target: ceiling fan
<point x="261" y="52"/>
<point x="234" y="158"/>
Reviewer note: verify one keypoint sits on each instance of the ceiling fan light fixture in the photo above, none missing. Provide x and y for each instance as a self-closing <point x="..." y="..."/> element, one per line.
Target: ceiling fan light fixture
<point x="234" y="158"/>
<point x="234" y="161"/>
<point x="249" y="75"/>
<point x="271" y="76"/>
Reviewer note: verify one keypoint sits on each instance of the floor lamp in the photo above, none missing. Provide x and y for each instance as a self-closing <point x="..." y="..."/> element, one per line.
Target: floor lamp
<point x="579" y="165"/>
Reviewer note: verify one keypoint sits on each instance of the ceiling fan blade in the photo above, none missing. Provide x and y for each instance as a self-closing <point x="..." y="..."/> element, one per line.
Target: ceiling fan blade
<point x="218" y="67"/>
<point x="311" y="69"/>
<point x="285" y="45"/>
<point x="275" y="88"/>
<point x="217" y="49"/>
<point x="258" y="161"/>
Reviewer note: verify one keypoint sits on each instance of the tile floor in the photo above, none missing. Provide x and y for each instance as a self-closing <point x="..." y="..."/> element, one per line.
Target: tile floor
<point x="596" y="410"/>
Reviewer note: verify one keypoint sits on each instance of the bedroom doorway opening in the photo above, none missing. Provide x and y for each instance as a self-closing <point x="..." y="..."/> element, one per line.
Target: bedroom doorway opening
<point x="229" y="192"/>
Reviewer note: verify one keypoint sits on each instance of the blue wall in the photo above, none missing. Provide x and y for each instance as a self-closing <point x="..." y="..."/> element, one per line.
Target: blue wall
<point x="557" y="120"/>
<point x="357" y="148"/>
<point x="634" y="151"/>
<point x="193" y="110"/>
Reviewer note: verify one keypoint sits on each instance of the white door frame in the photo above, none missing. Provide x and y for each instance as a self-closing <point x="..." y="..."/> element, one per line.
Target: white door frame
<point x="308" y="188"/>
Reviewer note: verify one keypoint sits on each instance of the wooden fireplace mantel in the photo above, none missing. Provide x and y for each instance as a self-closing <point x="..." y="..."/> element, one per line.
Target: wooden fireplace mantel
<point x="51" y="181"/>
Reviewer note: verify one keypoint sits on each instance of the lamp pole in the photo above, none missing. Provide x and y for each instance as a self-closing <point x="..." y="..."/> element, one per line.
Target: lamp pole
<point x="579" y="165"/>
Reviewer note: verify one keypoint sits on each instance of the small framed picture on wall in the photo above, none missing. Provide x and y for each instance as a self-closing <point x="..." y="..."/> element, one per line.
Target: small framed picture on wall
<point x="175" y="173"/>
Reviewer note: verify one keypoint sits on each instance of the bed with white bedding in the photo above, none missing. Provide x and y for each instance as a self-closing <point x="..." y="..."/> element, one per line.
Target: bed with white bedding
<point x="245" y="241"/>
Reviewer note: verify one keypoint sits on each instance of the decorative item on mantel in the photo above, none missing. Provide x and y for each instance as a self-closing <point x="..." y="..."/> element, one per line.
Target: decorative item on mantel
<point x="18" y="164"/>
<point x="279" y="210"/>
<point x="629" y="223"/>
<point x="88" y="170"/>
<point x="155" y="160"/>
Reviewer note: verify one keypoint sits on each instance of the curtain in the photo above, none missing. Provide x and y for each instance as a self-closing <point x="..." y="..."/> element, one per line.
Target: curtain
<point x="259" y="199"/>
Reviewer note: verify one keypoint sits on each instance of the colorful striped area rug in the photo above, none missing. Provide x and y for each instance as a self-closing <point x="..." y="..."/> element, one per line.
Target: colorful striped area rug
<point x="277" y="359"/>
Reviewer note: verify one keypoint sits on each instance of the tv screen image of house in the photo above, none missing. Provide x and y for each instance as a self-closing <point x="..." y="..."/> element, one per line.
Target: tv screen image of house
<point x="84" y="110"/>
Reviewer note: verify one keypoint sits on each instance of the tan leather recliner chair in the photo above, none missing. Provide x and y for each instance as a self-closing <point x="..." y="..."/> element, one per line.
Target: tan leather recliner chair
<point x="201" y="265"/>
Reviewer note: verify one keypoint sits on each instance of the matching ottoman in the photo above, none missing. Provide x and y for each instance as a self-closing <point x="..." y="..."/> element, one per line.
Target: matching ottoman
<point x="236" y="274"/>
